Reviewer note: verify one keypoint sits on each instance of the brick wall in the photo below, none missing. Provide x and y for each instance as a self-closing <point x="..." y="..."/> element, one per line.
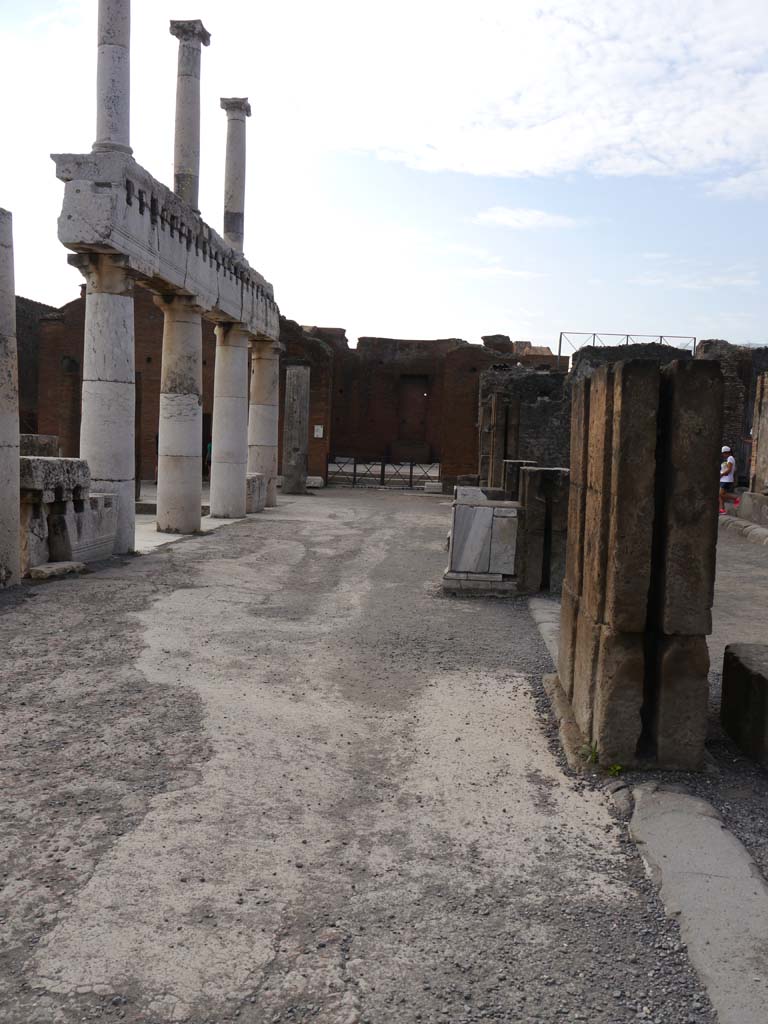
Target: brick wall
<point x="28" y="314"/>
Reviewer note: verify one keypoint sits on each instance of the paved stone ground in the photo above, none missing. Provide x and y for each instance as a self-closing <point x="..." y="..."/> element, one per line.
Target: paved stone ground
<point x="273" y="775"/>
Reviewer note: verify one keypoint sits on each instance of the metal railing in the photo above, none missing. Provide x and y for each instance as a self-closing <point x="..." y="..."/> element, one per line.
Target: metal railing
<point x="349" y="471"/>
<point x="578" y="338"/>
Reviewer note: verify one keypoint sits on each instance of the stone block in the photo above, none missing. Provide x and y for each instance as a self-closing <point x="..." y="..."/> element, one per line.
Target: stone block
<point x="618" y="699"/>
<point x="511" y="476"/>
<point x="503" y="542"/>
<point x="587" y="648"/>
<point x="34" y="535"/>
<point x="629" y="540"/>
<point x="46" y="445"/>
<point x="51" y="570"/>
<point x="597" y="504"/>
<point x="744" y="707"/>
<point x="754" y="508"/>
<point x="692" y="398"/>
<point x="471" y="538"/>
<point x="682" y="701"/>
<point x="566" y="652"/>
<point x="87" y="535"/>
<point x="255" y="492"/>
<point x="54" y="479"/>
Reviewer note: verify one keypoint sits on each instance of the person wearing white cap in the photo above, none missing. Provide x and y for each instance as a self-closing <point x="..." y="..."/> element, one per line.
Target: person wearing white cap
<point x="727" y="478"/>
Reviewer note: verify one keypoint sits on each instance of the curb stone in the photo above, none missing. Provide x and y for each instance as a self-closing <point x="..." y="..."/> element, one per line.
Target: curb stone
<point x="750" y="531"/>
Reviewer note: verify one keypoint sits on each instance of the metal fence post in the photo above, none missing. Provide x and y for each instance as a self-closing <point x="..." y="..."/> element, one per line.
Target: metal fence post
<point x="354" y="471"/>
<point x="383" y="478"/>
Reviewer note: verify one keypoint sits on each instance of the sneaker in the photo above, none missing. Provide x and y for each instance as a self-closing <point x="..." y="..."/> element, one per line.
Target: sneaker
<point x="737" y="502"/>
<point x="723" y="512"/>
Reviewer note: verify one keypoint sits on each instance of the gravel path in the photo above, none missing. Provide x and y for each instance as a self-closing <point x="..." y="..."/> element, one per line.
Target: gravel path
<point x="273" y="775"/>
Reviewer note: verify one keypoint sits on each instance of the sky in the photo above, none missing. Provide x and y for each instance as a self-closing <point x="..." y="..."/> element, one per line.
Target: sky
<point x="430" y="168"/>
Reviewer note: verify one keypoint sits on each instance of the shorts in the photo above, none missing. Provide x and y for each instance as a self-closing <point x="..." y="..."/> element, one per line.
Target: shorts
<point x="728" y="488"/>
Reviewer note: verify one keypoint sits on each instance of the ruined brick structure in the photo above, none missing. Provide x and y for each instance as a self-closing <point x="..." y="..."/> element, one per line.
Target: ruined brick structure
<point x="524" y="414"/>
<point x="387" y="398"/>
<point x="741" y="366"/>
<point x="28" y="314"/>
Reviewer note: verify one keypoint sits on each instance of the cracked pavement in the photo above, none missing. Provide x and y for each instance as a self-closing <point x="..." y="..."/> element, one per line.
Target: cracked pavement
<point x="272" y="774"/>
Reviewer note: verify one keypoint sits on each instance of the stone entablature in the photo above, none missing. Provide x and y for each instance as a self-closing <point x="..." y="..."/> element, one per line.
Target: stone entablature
<point x="113" y="205"/>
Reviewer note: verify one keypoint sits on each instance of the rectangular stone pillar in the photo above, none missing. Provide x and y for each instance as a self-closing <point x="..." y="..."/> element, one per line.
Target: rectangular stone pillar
<point x="107" y="423"/>
<point x="263" y="414"/>
<point x="510" y="476"/>
<point x="296" y="430"/>
<point x="541" y="534"/>
<point x="180" y="431"/>
<point x="10" y="527"/>
<point x="229" y="442"/>
<point x="638" y="589"/>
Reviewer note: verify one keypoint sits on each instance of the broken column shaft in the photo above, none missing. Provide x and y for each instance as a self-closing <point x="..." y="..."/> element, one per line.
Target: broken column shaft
<point x="234" y="172"/>
<point x="107" y="425"/>
<point x="180" y="431"/>
<point x="229" y="440"/>
<point x="263" y="414"/>
<point x="113" y="77"/>
<point x="296" y="430"/>
<point x="192" y="37"/>
<point x="9" y="413"/>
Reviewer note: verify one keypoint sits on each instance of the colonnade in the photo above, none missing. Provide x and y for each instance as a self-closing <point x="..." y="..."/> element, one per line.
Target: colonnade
<point x="244" y="429"/>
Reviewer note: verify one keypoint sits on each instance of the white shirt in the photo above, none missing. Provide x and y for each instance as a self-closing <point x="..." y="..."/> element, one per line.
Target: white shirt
<point x="727" y="470"/>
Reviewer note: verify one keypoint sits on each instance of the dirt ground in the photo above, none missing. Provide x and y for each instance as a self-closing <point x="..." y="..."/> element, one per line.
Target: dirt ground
<point x="273" y="775"/>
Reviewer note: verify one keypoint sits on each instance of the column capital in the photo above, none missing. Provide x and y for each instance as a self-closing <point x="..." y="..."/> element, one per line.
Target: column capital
<point x="104" y="272"/>
<point x="170" y="302"/>
<point x="190" y="32"/>
<point x="235" y="106"/>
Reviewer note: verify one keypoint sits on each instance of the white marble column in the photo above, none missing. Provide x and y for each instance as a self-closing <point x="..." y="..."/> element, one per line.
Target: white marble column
<point x="229" y="441"/>
<point x="295" y="430"/>
<point x="180" y="431"/>
<point x="263" y="414"/>
<point x="234" y="171"/>
<point x="107" y="424"/>
<point x="192" y="37"/>
<point x="10" y="554"/>
<point x="113" y="77"/>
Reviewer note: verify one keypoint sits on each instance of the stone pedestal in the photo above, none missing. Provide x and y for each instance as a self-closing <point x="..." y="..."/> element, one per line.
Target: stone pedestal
<point x="263" y="414"/>
<point x="229" y="442"/>
<point x="180" y="431"/>
<point x="296" y="430"/>
<point x="107" y="424"/>
<point x="9" y="413"/>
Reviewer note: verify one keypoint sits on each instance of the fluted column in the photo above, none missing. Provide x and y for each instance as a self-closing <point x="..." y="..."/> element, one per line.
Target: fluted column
<point x="234" y="171"/>
<point x="229" y="441"/>
<point x="192" y="37"/>
<point x="180" y="431"/>
<point x="263" y="414"/>
<point x="107" y="423"/>
<point x="10" y="554"/>
<point x="113" y="77"/>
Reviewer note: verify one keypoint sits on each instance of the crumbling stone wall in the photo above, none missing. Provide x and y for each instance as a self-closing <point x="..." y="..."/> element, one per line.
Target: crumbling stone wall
<point x="524" y="414"/>
<point x="589" y="358"/>
<point x="640" y="565"/>
<point x="741" y="366"/>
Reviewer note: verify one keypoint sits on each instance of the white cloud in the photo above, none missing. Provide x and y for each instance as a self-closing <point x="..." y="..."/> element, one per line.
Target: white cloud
<point x="524" y="220"/>
<point x="730" y="277"/>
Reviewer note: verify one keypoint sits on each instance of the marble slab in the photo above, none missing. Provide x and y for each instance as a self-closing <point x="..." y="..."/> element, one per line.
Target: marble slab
<point x="471" y="538"/>
<point x="503" y="543"/>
